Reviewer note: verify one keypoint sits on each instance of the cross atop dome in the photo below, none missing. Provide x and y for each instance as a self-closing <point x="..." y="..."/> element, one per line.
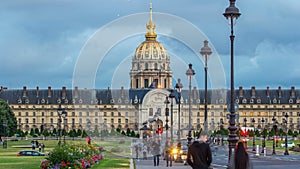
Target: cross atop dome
<point x="150" y="35"/>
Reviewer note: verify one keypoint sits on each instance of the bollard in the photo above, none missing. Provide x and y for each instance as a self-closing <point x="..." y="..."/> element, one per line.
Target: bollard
<point x="265" y="151"/>
<point x="257" y="150"/>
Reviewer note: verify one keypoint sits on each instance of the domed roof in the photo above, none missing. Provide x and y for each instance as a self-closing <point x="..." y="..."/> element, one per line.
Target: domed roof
<point x="150" y="49"/>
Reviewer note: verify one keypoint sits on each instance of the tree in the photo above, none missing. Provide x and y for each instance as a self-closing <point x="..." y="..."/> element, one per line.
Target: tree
<point x="96" y="132"/>
<point x="8" y="120"/>
<point x="79" y="132"/>
<point x="31" y="132"/>
<point x="290" y="132"/>
<point x="84" y="134"/>
<point x="36" y="131"/>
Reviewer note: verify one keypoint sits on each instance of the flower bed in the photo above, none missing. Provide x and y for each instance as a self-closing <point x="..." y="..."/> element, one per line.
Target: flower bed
<point x="79" y="156"/>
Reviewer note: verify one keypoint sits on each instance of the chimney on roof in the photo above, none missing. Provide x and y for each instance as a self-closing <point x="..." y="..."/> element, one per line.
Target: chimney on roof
<point x="37" y="91"/>
<point x="253" y="91"/>
<point x="64" y="92"/>
<point x="293" y="91"/>
<point x="195" y="92"/>
<point x="122" y="92"/>
<point x="24" y="91"/>
<point x="76" y="94"/>
<point x="49" y="91"/>
<point x="268" y="91"/>
<point x="241" y="91"/>
<point x="279" y="91"/>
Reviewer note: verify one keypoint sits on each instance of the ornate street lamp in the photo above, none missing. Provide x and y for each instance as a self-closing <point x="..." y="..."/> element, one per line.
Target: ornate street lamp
<point x="286" y="141"/>
<point x="179" y="86"/>
<point x="253" y="145"/>
<point x="205" y="52"/>
<point x="64" y="115"/>
<point x="263" y="144"/>
<point x="232" y="13"/>
<point x="274" y="129"/>
<point x="190" y="73"/>
<point x="167" y="116"/>
<point x="171" y="96"/>
<point x="61" y="112"/>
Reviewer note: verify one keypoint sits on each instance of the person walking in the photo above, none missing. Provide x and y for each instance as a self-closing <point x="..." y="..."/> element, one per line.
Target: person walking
<point x="240" y="158"/>
<point x="168" y="153"/>
<point x="199" y="153"/>
<point x="156" y="152"/>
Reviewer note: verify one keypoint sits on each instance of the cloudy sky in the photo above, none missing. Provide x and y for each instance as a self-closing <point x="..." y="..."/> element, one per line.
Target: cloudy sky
<point x="43" y="43"/>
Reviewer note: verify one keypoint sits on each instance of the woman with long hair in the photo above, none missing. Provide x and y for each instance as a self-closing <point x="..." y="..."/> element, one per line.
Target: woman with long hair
<point x="240" y="159"/>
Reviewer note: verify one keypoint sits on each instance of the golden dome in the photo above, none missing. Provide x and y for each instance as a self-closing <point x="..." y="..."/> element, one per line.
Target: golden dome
<point x="150" y="49"/>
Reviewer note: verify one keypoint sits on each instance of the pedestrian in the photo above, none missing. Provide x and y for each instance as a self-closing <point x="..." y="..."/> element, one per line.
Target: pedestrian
<point x="240" y="158"/>
<point x="199" y="153"/>
<point x="168" y="157"/>
<point x="156" y="152"/>
<point x="136" y="148"/>
<point x="43" y="147"/>
<point x="145" y="150"/>
<point x="40" y="147"/>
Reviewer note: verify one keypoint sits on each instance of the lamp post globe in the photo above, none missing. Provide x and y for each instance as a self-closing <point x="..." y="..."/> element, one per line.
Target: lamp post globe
<point x="232" y="13"/>
<point x="205" y="52"/>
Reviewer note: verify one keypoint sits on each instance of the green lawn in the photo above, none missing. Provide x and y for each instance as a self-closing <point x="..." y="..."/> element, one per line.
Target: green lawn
<point x="10" y="160"/>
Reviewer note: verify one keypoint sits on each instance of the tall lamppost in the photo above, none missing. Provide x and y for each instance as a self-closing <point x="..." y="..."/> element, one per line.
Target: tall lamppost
<point x="205" y="52"/>
<point x="4" y="135"/>
<point x="232" y="13"/>
<point x="179" y="86"/>
<point x="61" y="112"/>
<point x="286" y="141"/>
<point x="274" y="129"/>
<point x="264" y="136"/>
<point x="190" y="73"/>
<point x="64" y="115"/>
<point x="171" y="96"/>
<point x="245" y="125"/>
<point x="253" y="145"/>
<point x="167" y="116"/>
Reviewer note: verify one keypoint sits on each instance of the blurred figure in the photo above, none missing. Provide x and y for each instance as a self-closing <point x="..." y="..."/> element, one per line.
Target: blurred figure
<point x="199" y="153"/>
<point x="168" y="153"/>
<point x="240" y="158"/>
<point x="156" y="151"/>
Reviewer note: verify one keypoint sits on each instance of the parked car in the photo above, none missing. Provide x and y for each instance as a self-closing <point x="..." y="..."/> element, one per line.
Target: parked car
<point x="30" y="153"/>
<point x="289" y="144"/>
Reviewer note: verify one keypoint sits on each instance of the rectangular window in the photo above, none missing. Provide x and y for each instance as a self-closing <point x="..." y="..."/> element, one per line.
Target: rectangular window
<point x="119" y="114"/>
<point x="73" y="121"/>
<point x="26" y="113"/>
<point x="96" y="114"/>
<point x="112" y="121"/>
<point x="43" y="114"/>
<point x="137" y="83"/>
<point x="19" y="113"/>
<point x="96" y="121"/>
<point x="73" y="113"/>
<point x="80" y="121"/>
<point x="146" y="83"/>
<point x="26" y="121"/>
<point x="33" y="120"/>
<point x="51" y="114"/>
<point x="119" y="121"/>
<point x="80" y="113"/>
<point x="51" y="121"/>
<point x="104" y="114"/>
<point x="87" y="113"/>
<point x="126" y="114"/>
<point x="112" y="114"/>
<point x="150" y="111"/>
<point x="126" y="121"/>
<point x="33" y="113"/>
<point x="43" y="121"/>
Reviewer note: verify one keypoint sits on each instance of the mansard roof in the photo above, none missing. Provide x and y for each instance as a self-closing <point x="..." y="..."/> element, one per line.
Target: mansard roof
<point x="136" y="96"/>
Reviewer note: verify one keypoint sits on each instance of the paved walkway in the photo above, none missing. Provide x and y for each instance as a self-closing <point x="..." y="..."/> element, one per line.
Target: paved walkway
<point x="148" y="164"/>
